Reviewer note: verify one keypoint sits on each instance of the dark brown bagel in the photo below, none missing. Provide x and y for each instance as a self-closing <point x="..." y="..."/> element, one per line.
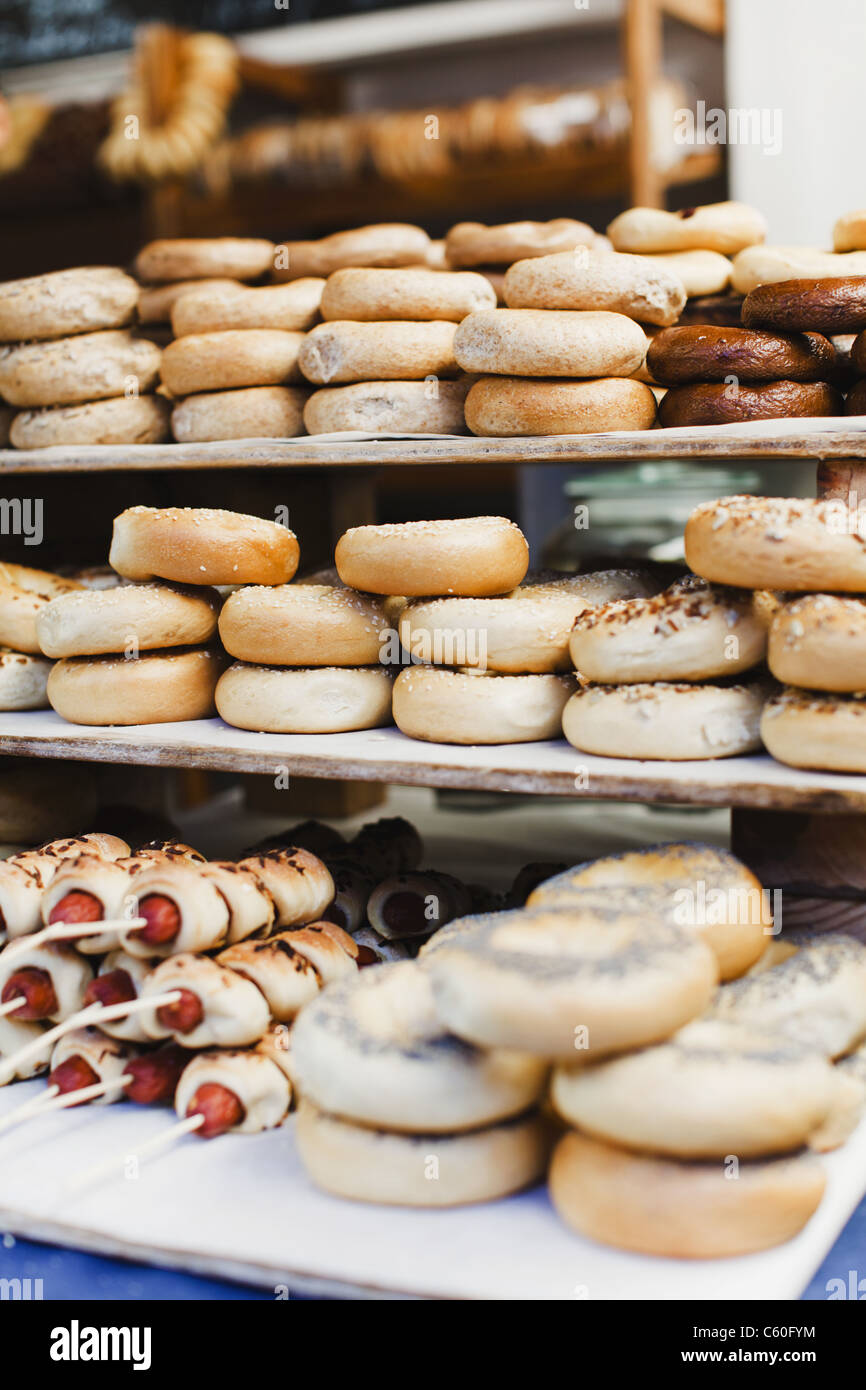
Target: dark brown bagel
<point x="707" y="353"/>
<point x="724" y="310"/>
<point x="834" y="305"/>
<point x="855" y="402"/>
<point x="712" y="403"/>
<point x="858" y="353"/>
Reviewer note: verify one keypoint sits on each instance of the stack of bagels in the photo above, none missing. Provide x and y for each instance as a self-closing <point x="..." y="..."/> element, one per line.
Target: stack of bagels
<point x="70" y="365"/>
<point x="24" y="670"/>
<point x="812" y="551"/>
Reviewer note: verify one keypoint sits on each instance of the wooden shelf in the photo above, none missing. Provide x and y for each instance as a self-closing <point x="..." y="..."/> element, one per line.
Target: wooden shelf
<point x="843" y="437"/>
<point x="386" y="755"/>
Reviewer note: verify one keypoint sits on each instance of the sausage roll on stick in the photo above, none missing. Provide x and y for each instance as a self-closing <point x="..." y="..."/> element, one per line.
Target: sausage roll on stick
<point x="13" y="1037"/>
<point x="88" y="889"/>
<point x="217" y="1007"/>
<point x="291" y="967"/>
<point x="276" y="1045"/>
<point x="250" y="906"/>
<point x="87" y="1057"/>
<point x="105" y="846"/>
<point x="169" y="849"/>
<point x="300" y="884"/>
<point x="243" y="1092"/>
<point x="152" y="1077"/>
<point x="120" y="978"/>
<point x="183" y="911"/>
<point x="50" y="978"/>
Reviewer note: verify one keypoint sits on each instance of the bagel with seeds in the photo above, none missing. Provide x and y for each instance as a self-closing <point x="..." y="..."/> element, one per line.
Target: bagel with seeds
<point x="303" y="625"/>
<point x="321" y="700"/>
<point x="64" y="302"/>
<point x="675" y="722"/>
<point x="782" y="543"/>
<point x="202" y="258"/>
<point x="819" y="642"/>
<point x="252" y="412"/>
<point x="716" y="404"/>
<point x="808" y="728"/>
<point x="93" y="622"/>
<point x="68" y="371"/>
<point x="535" y="342"/>
<point x="679" y="355"/>
<point x="478" y="707"/>
<point x="158" y="688"/>
<point x="724" y="227"/>
<point x="201" y="545"/>
<point x="117" y="420"/>
<point x="474" y="557"/>
<point x="514" y="406"/>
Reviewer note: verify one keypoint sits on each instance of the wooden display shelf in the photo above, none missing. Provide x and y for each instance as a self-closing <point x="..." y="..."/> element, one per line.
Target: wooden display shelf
<point x="386" y="755"/>
<point x="837" y="438"/>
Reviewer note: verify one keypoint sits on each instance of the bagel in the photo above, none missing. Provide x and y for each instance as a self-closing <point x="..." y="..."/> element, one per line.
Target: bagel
<point x="253" y="412"/>
<point x="526" y="631"/>
<point x="767" y="265"/>
<point x="342" y="351"/>
<point x="783" y="543"/>
<point x="691" y="632"/>
<point x="805" y="728"/>
<point x="473" y="243"/>
<point x="203" y="258"/>
<point x="118" y="420"/>
<point x="665" y="720"/>
<point x="155" y="302"/>
<point x="323" y="700"/>
<point x="477" y="707"/>
<point x="290" y="308"/>
<point x="514" y="406"/>
<point x="700" y="272"/>
<point x="139" y="617"/>
<point x="24" y="593"/>
<point x="855" y="403"/>
<point x="570" y="981"/>
<point x="201" y="545"/>
<point x="858" y="353"/>
<point x="236" y="357"/>
<point x="680" y="355"/>
<point x="597" y="280"/>
<point x="23" y="679"/>
<point x="724" y="227"/>
<point x="410" y="293"/>
<point x="89" y="367"/>
<point x="535" y="342"/>
<point x="65" y="302"/>
<point x="475" y="557"/>
<point x="659" y="1206"/>
<point x="303" y="625"/>
<point x="717" y="404"/>
<point x="819" y="642"/>
<point x="721" y="310"/>
<point x="420" y="1170"/>
<point x="381" y="244"/>
<point x="834" y="304"/>
<point x="159" y="688"/>
<point x="816" y="995"/>
<point x="703" y="1093"/>
<point x="849" y="232"/>
<point x="707" y="889"/>
<point x="372" y="1050"/>
<point x="389" y="407"/>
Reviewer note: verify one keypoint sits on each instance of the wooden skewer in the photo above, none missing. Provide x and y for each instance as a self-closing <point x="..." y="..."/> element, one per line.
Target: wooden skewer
<point x="54" y="1099"/>
<point x="151" y="1146"/>
<point x="28" y="1107"/>
<point x="11" y="1005"/>
<point x="70" y="931"/>
<point x="93" y="1015"/>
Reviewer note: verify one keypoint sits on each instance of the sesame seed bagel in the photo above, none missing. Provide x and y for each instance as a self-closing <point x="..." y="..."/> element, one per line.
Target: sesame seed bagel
<point x="832" y="304"/>
<point x="474" y="243"/>
<point x="118" y="420"/>
<point x="588" y="978"/>
<point x="819" y="642"/>
<point x="128" y="617"/>
<point x="89" y="367"/>
<point x="769" y="265"/>
<point x="381" y="244"/>
<point x="343" y="351"/>
<point x="713" y="403"/>
<point x="723" y="227"/>
<point x="24" y="592"/>
<point x="475" y="556"/>
<point x="701" y="272"/>
<point x="23" y="680"/>
<point x="624" y="284"/>
<point x="83" y="300"/>
<point x="201" y="545"/>
<point x="202" y="258"/>
<point x="252" y="412"/>
<point x="413" y="292"/>
<point x="691" y="632"/>
<point x="372" y="1050"/>
<point x="505" y="406"/>
<point x="665" y="720"/>
<point x="711" y="354"/>
<point x="324" y="700"/>
<point x="704" y="1093"/>
<point x="478" y="707"/>
<point x="421" y="1170"/>
<point x="159" y="688"/>
<point x="389" y="407"/>
<point x="214" y="309"/>
<point x="534" y="342"/>
<point x="805" y="728"/>
<point x="784" y="543"/>
<point x="302" y="625"/>
<point x="659" y="1206"/>
<point x="526" y="631"/>
<point x="236" y="357"/>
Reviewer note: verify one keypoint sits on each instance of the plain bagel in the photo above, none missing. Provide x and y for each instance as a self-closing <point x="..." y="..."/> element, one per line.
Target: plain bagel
<point x="155" y="302"/>
<point x="518" y="406"/>
<point x="709" y="353"/>
<point x="117" y="420"/>
<point x="476" y="707"/>
<point x="413" y="292"/>
<point x="833" y="304"/>
<point x="474" y="556"/>
<point x="201" y="545"/>
<point x="474" y="243"/>
<point x="597" y="280"/>
<point x="236" y="357"/>
<point x="296" y="700"/>
<point x="723" y="227"/>
<point x="389" y="407"/>
<point x="23" y="679"/>
<point x="66" y="301"/>
<point x="303" y="625"/>
<point x="701" y="272"/>
<point x="89" y="367"/>
<point x="24" y="592"/>
<point x="819" y="642"/>
<point x="678" y="722"/>
<point x="691" y="632"/>
<point x="252" y="412"/>
<point x="94" y="622"/>
<point x="535" y="342"/>
<point x="661" y="1206"/>
<point x="291" y="308"/>
<point x="158" y="688"/>
<point x="805" y="728"/>
<point x="381" y="244"/>
<point x="849" y="232"/>
<point x="343" y="351"/>
<point x="203" y="258"/>
<point x="782" y="543"/>
<point x="767" y="265"/>
<point x="712" y="403"/>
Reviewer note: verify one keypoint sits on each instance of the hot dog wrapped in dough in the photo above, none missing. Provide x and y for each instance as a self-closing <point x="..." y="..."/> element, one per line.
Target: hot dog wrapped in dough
<point x="183" y="909"/>
<point x="50" y="978"/>
<point x="217" y="1007"/>
<point x="21" y="888"/>
<point x="300" y="884"/>
<point x="88" y="889"/>
<point x="15" y="1035"/>
<point x="121" y="978"/>
<point x="276" y="1045"/>
<point x="243" y="1092"/>
<point x="96" y="842"/>
<point x="291" y="967"/>
<point x="251" y="907"/>
<point x="86" y="1057"/>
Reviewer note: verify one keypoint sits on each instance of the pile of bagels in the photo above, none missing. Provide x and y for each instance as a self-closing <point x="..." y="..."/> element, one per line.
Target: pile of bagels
<point x="676" y="1069"/>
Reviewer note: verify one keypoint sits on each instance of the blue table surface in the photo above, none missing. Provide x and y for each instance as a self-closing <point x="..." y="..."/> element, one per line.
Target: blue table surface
<point x="71" y="1275"/>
